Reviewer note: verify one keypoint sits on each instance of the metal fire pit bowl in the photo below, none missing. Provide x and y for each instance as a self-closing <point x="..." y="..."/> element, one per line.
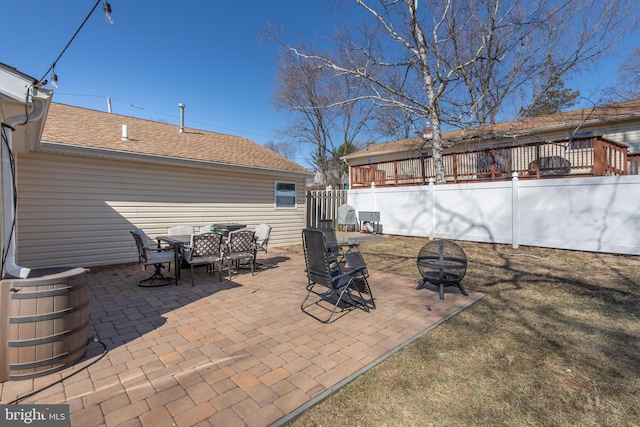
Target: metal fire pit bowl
<point x="442" y="263"/>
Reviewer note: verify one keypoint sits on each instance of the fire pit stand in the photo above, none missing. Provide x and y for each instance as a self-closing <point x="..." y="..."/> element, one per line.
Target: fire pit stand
<point x="442" y="263"/>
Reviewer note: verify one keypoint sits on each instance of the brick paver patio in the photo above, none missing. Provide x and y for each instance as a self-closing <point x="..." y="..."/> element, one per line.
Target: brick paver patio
<point x="235" y="353"/>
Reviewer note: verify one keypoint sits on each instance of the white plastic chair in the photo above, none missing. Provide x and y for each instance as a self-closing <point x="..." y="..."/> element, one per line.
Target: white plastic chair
<point x="206" y="228"/>
<point x="263" y="231"/>
<point x="180" y="230"/>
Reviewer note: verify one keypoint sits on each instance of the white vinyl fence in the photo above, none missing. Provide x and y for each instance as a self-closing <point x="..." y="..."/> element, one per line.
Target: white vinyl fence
<point x="596" y="214"/>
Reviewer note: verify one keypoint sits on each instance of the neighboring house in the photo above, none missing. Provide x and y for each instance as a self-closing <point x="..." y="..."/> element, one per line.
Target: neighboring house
<point x="570" y="143"/>
<point x="95" y="176"/>
<point x="318" y="182"/>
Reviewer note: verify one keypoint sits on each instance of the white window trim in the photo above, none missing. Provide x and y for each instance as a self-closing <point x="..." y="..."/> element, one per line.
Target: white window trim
<point x="275" y="195"/>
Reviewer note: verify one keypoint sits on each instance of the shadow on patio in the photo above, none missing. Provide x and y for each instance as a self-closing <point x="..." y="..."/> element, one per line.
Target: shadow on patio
<point x="232" y="353"/>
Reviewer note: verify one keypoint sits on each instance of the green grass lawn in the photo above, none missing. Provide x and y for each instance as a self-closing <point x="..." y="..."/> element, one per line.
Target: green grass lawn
<point x="555" y="342"/>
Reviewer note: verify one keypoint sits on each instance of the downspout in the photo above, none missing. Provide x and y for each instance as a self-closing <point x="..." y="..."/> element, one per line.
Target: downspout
<point x="9" y="195"/>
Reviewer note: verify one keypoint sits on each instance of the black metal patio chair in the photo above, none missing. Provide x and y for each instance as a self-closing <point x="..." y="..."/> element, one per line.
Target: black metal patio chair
<point x="332" y="288"/>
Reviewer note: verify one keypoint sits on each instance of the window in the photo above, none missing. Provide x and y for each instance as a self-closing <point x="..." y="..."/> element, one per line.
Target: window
<point x="580" y="140"/>
<point x="285" y="194"/>
<point x="582" y="134"/>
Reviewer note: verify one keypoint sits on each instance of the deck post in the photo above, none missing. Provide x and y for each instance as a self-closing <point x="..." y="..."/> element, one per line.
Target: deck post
<point x="598" y="157"/>
<point x="515" y="211"/>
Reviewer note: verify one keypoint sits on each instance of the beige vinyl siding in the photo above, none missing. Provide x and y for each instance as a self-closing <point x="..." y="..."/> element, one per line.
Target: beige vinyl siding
<point x="626" y="133"/>
<point x="77" y="211"/>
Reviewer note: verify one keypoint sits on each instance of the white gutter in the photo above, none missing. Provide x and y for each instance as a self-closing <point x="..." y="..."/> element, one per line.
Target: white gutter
<point x="8" y="189"/>
<point x="377" y="153"/>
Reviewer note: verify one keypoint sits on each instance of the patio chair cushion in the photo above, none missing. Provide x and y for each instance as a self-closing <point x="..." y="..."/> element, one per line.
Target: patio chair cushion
<point x="155" y="257"/>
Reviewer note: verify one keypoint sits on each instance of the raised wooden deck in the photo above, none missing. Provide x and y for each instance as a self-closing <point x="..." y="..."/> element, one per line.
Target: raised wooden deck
<point x="589" y="156"/>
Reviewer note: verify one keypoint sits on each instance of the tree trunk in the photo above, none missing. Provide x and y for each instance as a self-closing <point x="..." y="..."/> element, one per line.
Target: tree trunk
<point x="438" y="159"/>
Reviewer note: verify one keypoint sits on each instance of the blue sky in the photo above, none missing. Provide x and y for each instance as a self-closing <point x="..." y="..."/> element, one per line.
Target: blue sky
<point x="206" y="54"/>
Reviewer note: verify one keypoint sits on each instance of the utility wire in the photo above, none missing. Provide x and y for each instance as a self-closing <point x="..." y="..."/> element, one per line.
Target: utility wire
<point x="53" y="65"/>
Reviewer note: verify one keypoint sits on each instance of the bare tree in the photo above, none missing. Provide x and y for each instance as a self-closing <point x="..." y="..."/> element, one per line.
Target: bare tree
<point x="311" y="92"/>
<point x="393" y="124"/>
<point x="461" y="63"/>
<point x="519" y="52"/>
<point x="629" y="79"/>
<point x="630" y="74"/>
<point x="286" y="149"/>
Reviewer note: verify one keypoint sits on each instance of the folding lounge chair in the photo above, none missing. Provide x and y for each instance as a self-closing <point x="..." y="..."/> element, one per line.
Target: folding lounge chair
<point x="355" y="261"/>
<point x="335" y="249"/>
<point x="352" y="257"/>
<point x="333" y="288"/>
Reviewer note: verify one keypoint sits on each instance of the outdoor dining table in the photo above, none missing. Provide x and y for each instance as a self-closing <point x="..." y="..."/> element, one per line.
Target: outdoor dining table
<point x="225" y="228"/>
<point x="176" y="242"/>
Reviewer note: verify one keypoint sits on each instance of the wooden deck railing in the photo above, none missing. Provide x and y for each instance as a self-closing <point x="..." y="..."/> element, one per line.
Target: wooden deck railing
<point x="633" y="164"/>
<point x="589" y="156"/>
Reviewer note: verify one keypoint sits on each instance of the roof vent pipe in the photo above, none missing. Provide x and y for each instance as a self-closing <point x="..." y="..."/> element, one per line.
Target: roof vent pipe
<point x="181" y="105"/>
<point x="125" y="133"/>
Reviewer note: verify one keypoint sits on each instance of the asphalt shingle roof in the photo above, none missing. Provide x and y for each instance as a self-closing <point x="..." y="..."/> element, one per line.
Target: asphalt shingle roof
<point x="77" y="126"/>
<point x="569" y="119"/>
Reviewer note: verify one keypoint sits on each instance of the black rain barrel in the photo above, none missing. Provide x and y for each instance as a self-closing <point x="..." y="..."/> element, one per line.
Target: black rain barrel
<point x="44" y="322"/>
